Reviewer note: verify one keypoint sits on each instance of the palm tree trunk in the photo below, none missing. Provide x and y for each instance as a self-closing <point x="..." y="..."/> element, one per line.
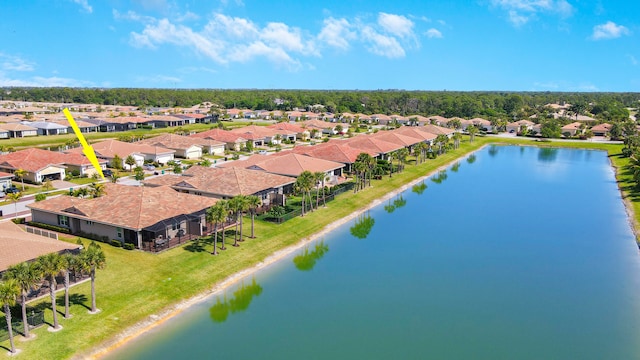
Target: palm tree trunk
<point x="66" y="295"/>
<point x="317" y="197"/>
<point x="241" y="226"/>
<point x="324" y="198"/>
<point x="215" y="239"/>
<point x="52" y="292"/>
<point x="7" y="316"/>
<point x="253" y="215"/>
<point x="235" y="234"/>
<point x="223" y="247"/>
<point x="25" y="323"/>
<point x="94" y="308"/>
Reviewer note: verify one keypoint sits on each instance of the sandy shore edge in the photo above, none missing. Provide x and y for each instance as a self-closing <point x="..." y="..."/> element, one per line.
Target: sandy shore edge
<point x="156" y="320"/>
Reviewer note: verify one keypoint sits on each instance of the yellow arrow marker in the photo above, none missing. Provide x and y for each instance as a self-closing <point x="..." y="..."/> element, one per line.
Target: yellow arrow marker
<point x="86" y="148"/>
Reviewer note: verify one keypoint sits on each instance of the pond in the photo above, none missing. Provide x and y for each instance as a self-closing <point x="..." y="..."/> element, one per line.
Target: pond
<point x="511" y="253"/>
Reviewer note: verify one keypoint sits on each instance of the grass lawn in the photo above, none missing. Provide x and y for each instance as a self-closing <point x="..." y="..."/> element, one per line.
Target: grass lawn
<point x="135" y="285"/>
<point x="83" y="181"/>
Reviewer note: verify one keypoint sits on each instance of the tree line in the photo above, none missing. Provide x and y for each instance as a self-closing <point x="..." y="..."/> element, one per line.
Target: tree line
<point x="445" y="103"/>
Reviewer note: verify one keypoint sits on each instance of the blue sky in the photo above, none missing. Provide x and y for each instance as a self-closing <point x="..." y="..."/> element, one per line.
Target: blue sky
<point x="510" y="45"/>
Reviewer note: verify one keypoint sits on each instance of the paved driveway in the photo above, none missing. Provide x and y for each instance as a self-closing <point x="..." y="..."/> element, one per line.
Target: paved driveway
<point x="61" y="184"/>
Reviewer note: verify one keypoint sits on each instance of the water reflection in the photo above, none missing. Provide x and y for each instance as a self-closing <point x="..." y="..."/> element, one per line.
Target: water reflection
<point x="307" y="260"/>
<point x="419" y="188"/>
<point x="493" y="150"/>
<point x="240" y="301"/>
<point x="442" y="176"/>
<point x="455" y="167"/>
<point x="397" y="203"/>
<point x="546" y="154"/>
<point x="363" y="225"/>
<point x="471" y="159"/>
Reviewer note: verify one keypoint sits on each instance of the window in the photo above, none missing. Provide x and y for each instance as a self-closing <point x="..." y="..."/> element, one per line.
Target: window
<point x="88" y="222"/>
<point x="119" y="232"/>
<point x="63" y="220"/>
<point x="175" y="226"/>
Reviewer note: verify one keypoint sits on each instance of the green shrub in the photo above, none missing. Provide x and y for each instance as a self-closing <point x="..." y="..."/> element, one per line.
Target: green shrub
<point x="40" y="197"/>
<point x="116" y="243"/>
<point x="19" y="220"/>
<point x="129" y="246"/>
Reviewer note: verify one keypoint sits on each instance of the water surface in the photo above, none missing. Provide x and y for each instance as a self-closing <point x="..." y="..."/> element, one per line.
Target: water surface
<point x="515" y="253"/>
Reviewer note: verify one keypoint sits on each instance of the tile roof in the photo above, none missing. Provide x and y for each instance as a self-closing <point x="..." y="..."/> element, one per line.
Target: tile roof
<point x="318" y="124"/>
<point x="35" y="159"/>
<point x="414" y="131"/>
<point x="220" y="135"/>
<point x="332" y="151"/>
<point x="288" y="127"/>
<point x="230" y="182"/>
<point x="573" y="126"/>
<point x="5" y="175"/>
<point x="171" y="141"/>
<point x="110" y="148"/>
<point x="371" y="144"/>
<point x="602" y="127"/>
<point x="133" y="207"/>
<point x="396" y="138"/>
<point x="287" y="163"/>
<point x="17" y="245"/>
<point x="17" y="127"/>
<point x="435" y="129"/>
<point x="164" y="180"/>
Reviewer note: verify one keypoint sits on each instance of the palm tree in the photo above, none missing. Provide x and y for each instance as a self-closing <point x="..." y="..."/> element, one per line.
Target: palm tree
<point x="93" y="258"/>
<point x="472" y="130"/>
<point x="51" y="265"/>
<point x="9" y="291"/>
<point x="243" y="205"/>
<point x="20" y="174"/>
<point x="254" y="201"/>
<point x="205" y="163"/>
<point x="96" y="189"/>
<point x="26" y="275"/>
<point x="318" y="179"/>
<point x="441" y="141"/>
<point x="70" y="263"/>
<point x="14" y="197"/>
<point x="235" y="203"/>
<point x="130" y="161"/>
<point x="304" y="183"/>
<point x="47" y="185"/>
<point x="402" y="157"/>
<point x="115" y="176"/>
<point x="456" y="139"/>
<point x="217" y="214"/>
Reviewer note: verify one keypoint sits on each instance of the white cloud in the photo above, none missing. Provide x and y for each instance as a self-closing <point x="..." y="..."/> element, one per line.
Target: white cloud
<point x="237" y="28"/>
<point x="85" y="5"/>
<point x="279" y="35"/>
<point x="337" y="33"/>
<point x="433" y="33"/>
<point x="14" y="63"/>
<point x="521" y="11"/>
<point x="382" y="45"/>
<point x="40" y="81"/>
<point x="158" y="79"/>
<point x="188" y="16"/>
<point x="397" y="25"/>
<point x="608" y="30"/>
<point x="256" y="49"/>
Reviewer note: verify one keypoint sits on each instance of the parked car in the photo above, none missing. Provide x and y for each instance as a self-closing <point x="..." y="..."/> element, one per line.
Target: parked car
<point x="107" y="173"/>
<point x="11" y="190"/>
<point x="2" y="194"/>
<point x="263" y="152"/>
<point x="149" y="167"/>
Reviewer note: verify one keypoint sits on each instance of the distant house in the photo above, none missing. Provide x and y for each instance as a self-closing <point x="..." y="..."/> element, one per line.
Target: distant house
<point x="337" y="151"/>
<point x="225" y="183"/>
<point x="17" y="245"/>
<point x="46" y="127"/>
<point x="144" y="216"/>
<point x="482" y="124"/>
<point x="233" y="141"/>
<point x="117" y="123"/>
<point x="185" y="147"/>
<point x="573" y="129"/>
<point x="369" y="144"/>
<point x="17" y="130"/>
<point x="4" y="134"/>
<point x="515" y="127"/>
<point x="108" y="149"/>
<point x="397" y="138"/>
<point x="39" y="164"/>
<point x="265" y="134"/>
<point x="288" y="128"/>
<point x="419" y="132"/>
<point x="601" y="129"/>
<point x="324" y="127"/>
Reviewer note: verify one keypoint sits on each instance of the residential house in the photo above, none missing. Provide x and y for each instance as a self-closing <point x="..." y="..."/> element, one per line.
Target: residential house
<point x="225" y="183"/>
<point x="291" y="128"/>
<point x="148" y="217"/>
<point x="185" y="147"/>
<point x="369" y="144"/>
<point x="108" y="150"/>
<point x="233" y="141"/>
<point x="324" y="127"/>
<point x="291" y="164"/>
<point x="43" y="164"/>
<point x="4" y="134"/>
<point x="84" y="126"/>
<point x="515" y="127"/>
<point x="337" y="151"/>
<point x="417" y="132"/>
<point x="18" y="245"/>
<point x="480" y="123"/>
<point x="265" y="134"/>
<point x="116" y="123"/>
<point x="573" y="129"/>
<point x="601" y="129"/>
<point x="437" y="130"/>
<point x="397" y="138"/>
<point x="17" y="130"/>
<point x="381" y="119"/>
<point x="46" y="127"/>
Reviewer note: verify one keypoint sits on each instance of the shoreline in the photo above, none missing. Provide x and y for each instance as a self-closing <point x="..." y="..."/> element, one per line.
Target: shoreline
<point x="154" y="321"/>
